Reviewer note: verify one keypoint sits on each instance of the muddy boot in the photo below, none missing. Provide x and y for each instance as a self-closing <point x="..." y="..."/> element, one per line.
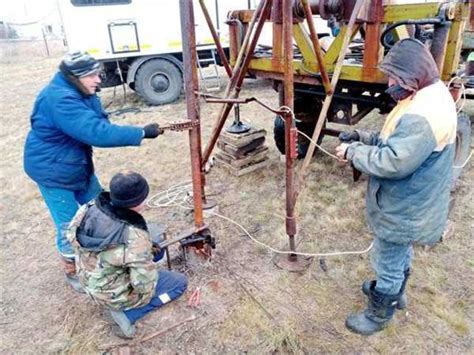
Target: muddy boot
<point x="69" y="268"/>
<point x="126" y="327"/>
<point x="379" y="312"/>
<point x="403" y="302"/>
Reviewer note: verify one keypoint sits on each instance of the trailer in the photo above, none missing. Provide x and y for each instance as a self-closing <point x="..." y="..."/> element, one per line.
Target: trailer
<point x="321" y="83"/>
<point x="139" y="41"/>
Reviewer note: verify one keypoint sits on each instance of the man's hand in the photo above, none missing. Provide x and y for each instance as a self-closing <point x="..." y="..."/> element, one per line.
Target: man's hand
<point x="152" y="130"/>
<point x="341" y="151"/>
<point x="349" y="136"/>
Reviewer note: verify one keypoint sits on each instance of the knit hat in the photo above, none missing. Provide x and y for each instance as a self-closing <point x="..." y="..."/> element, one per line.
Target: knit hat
<point x="128" y="189"/>
<point x="79" y="64"/>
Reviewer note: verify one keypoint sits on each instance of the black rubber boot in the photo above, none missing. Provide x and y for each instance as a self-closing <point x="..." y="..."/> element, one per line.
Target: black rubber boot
<point x="403" y="302"/>
<point x="379" y="312"/>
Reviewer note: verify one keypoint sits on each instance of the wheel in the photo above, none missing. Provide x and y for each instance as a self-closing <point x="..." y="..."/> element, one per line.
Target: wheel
<point x="303" y="142"/>
<point x="306" y="109"/>
<point x="159" y="82"/>
<point x="462" y="146"/>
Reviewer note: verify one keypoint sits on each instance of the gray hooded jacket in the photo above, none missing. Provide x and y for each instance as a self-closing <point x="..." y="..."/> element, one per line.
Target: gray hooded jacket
<point x="409" y="162"/>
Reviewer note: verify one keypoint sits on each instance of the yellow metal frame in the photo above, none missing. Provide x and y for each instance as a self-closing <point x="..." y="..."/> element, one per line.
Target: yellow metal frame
<point x="308" y="66"/>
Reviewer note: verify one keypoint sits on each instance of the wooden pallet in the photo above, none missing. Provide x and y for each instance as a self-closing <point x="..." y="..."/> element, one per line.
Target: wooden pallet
<point x="242" y="153"/>
<point x="253" y="157"/>
<point x="241" y="140"/>
<point x="242" y="171"/>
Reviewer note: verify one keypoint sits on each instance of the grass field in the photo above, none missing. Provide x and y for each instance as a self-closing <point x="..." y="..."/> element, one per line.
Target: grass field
<point x="248" y="305"/>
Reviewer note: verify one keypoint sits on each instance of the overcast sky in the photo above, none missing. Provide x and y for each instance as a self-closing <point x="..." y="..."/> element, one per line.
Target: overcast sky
<point x="25" y="10"/>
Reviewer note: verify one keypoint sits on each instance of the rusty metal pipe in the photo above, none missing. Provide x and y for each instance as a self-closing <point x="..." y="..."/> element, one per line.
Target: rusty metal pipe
<point x="290" y="136"/>
<point x="191" y="85"/>
<point x="299" y="7"/>
<point x="238" y="74"/>
<point x="316" y="46"/>
<point x="328" y="100"/>
<point x="217" y="41"/>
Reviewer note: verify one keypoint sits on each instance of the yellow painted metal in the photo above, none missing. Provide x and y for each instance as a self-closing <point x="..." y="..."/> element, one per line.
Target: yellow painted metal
<point x="303" y="41"/>
<point x="333" y="52"/>
<point x="352" y="72"/>
<point x="453" y="49"/>
<point x="401" y="32"/>
<point x="394" y="13"/>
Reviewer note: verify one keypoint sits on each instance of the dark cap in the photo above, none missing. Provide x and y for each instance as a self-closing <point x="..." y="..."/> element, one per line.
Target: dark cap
<point x="128" y="189"/>
<point x="80" y="64"/>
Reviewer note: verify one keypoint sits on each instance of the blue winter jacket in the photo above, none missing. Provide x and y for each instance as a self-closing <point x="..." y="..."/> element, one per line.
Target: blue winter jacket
<point x="409" y="164"/>
<point x="65" y="124"/>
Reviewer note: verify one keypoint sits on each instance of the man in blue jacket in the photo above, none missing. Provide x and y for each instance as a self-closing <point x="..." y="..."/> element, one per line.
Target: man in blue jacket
<point x="409" y="163"/>
<point x="67" y="121"/>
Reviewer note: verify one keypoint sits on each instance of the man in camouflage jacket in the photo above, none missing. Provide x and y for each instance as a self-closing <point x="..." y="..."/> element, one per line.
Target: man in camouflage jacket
<point x="114" y="254"/>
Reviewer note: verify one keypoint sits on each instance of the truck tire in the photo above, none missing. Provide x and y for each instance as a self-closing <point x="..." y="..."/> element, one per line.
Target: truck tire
<point x="159" y="81"/>
<point x="302" y="144"/>
<point x="462" y="146"/>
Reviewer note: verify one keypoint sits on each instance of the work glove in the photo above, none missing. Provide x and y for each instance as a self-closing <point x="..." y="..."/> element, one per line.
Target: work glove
<point x="152" y="130"/>
<point x="157" y="252"/>
<point x="349" y="136"/>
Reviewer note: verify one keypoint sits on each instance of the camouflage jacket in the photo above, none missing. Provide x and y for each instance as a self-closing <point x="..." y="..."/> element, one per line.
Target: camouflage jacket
<point x="114" y="257"/>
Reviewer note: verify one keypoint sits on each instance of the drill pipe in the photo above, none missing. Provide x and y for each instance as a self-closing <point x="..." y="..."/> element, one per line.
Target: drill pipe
<point x="192" y="105"/>
<point x="289" y="125"/>
<point x="316" y="46"/>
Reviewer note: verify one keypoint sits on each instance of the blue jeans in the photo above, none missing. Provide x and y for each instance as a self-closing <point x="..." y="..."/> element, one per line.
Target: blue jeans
<point x="390" y="261"/>
<point x="170" y="286"/>
<point x="63" y="205"/>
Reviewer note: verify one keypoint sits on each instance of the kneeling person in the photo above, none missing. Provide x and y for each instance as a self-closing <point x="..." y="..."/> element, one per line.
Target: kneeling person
<point x="115" y="258"/>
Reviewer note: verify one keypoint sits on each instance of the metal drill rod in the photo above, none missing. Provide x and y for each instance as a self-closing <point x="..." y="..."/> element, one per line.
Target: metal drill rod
<point x="328" y="100"/>
<point x="290" y="137"/>
<point x="191" y="85"/>
<point x="316" y="46"/>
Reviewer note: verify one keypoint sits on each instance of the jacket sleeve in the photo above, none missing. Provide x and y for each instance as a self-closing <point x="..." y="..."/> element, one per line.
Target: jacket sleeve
<point x="369" y="138"/>
<point x="411" y="143"/>
<point x="72" y="116"/>
<point x="139" y="261"/>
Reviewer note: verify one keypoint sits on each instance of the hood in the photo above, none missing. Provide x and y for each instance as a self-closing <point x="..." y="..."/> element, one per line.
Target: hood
<point x="106" y="226"/>
<point x="410" y="62"/>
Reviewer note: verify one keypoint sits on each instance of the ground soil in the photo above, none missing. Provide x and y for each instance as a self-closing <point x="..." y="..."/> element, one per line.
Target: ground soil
<point x="247" y="304"/>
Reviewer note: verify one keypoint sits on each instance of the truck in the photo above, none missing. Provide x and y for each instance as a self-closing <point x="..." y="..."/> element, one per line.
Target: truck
<point x="441" y="25"/>
<point x="139" y="41"/>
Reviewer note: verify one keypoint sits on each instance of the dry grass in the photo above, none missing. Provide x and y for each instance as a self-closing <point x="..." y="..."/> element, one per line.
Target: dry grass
<point x="248" y="305"/>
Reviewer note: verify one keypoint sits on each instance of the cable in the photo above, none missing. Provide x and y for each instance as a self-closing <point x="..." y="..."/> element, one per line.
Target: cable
<point x="463" y="92"/>
<point x="337" y="253"/>
<point x="465" y="162"/>
<point x="289" y="110"/>
<point x="180" y="193"/>
<point x="321" y="148"/>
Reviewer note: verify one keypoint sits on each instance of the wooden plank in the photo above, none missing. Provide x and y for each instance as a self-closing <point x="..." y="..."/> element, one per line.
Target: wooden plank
<point x="240" y="152"/>
<point x="251" y="168"/>
<point x="224" y="157"/>
<point x="250" y="159"/>
<point x="246" y="170"/>
<point x="241" y="140"/>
